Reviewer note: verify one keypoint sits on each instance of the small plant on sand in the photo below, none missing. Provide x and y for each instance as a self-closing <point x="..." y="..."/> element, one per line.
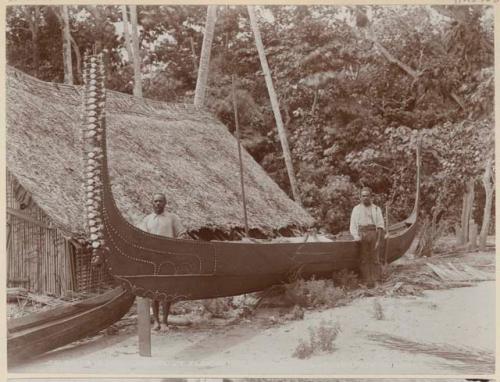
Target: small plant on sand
<point x="297" y="313"/>
<point x="378" y="310"/>
<point x="314" y="293"/>
<point x="346" y="279"/>
<point x="303" y="350"/>
<point x="321" y="340"/>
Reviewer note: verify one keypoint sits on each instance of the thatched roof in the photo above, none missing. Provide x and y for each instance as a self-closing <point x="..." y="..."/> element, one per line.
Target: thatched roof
<point x="153" y="146"/>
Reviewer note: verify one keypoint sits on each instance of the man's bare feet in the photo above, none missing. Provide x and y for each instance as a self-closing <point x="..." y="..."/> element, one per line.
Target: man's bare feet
<point x="157" y="327"/>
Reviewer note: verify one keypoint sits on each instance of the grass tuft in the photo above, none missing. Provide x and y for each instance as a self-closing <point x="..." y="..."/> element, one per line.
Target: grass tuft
<point x="315" y="293"/>
<point x="321" y="340"/>
<point x="378" y="310"/>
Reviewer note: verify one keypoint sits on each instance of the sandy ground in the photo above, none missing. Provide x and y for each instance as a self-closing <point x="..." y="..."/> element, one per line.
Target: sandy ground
<point x="442" y="332"/>
<point x="446" y="331"/>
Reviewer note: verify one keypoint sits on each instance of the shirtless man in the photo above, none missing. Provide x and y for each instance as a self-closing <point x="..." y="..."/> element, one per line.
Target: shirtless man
<point x="167" y="224"/>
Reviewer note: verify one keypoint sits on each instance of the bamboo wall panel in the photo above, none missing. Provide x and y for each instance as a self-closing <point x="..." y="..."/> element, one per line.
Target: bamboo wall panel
<point x="39" y="256"/>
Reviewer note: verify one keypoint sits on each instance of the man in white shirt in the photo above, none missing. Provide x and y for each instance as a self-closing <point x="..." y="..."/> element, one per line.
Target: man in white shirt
<point x="165" y="224"/>
<point x="367" y="226"/>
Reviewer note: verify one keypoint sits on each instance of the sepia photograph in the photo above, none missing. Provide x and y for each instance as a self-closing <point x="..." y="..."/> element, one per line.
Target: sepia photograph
<point x="273" y="190"/>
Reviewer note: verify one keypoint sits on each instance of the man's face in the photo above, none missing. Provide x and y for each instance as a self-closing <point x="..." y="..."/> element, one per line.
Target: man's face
<point x="366" y="198"/>
<point x="159" y="203"/>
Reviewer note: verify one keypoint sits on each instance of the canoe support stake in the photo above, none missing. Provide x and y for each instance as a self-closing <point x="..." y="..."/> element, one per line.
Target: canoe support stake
<point x="144" y="326"/>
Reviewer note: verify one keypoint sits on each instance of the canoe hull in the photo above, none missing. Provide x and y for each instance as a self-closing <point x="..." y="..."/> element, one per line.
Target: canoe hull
<point x="226" y="269"/>
<point x="34" y="340"/>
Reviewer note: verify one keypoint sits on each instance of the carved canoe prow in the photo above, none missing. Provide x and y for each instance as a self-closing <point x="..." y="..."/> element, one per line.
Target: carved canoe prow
<point x="174" y="269"/>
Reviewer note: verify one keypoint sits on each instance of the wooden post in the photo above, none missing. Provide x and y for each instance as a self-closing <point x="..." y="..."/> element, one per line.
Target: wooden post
<point x="489" y="189"/>
<point x="235" y="106"/>
<point x="386" y="247"/>
<point x="467" y="209"/>
<point x="464" y="229"/>
<point x="144" y="326"/>
<point x="459" y="235"/>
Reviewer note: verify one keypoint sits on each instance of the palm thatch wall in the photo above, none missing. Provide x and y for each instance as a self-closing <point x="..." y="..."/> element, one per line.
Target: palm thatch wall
<point x="175" y="148"/>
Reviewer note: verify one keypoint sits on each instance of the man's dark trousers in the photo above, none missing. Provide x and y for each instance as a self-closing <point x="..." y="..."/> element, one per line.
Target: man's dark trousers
<point x="369" y="264"/>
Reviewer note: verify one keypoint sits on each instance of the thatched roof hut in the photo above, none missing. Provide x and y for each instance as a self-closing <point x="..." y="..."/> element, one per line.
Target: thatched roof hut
<point x="153" y="146"/>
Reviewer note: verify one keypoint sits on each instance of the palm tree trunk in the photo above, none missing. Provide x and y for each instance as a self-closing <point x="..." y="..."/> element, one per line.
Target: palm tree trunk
<point x="68" y="64"/>
<point x="193" y="53"/>
<point x="136" y="53"/>
<point x="126" y="33"/>
<point x="36" y="49"/>
<point x="275" y="105"/>
<point x="206" y="48"/>
<point x="32" y="14"/>
<point x="74" y="45"/>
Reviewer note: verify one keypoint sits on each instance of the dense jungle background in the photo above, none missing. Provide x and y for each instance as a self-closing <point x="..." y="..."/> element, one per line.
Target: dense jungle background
<point x="357" y="87"/>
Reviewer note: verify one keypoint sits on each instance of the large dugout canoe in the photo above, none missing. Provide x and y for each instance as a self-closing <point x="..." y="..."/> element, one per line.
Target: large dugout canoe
<point x="173" y="269"/>
<point x="38" y="333"/>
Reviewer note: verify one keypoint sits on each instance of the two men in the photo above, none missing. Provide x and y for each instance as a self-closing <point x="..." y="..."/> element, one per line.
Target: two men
<point x="167" y="224"/>
<point x="367" y="227"/>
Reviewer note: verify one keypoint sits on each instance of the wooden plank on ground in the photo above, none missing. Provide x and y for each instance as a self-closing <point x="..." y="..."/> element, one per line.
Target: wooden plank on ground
<point x="13" y="294"/>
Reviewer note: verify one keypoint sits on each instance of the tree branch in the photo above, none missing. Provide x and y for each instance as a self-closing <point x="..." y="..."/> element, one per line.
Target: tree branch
<point x="407" y="69"/>
<point x="370" y="35"/>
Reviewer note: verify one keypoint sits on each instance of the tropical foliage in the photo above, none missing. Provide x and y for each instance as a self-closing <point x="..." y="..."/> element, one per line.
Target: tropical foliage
<point x="358" y="87"/>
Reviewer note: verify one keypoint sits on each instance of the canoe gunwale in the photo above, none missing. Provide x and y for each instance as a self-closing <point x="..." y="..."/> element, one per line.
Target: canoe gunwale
<point x="34" y="319"/>
<point x="36" y="340"/>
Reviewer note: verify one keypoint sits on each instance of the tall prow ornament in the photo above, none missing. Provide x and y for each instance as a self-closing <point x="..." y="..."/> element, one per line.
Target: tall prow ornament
<point x="175" y="269"/>
<point x="93" y="133"/>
